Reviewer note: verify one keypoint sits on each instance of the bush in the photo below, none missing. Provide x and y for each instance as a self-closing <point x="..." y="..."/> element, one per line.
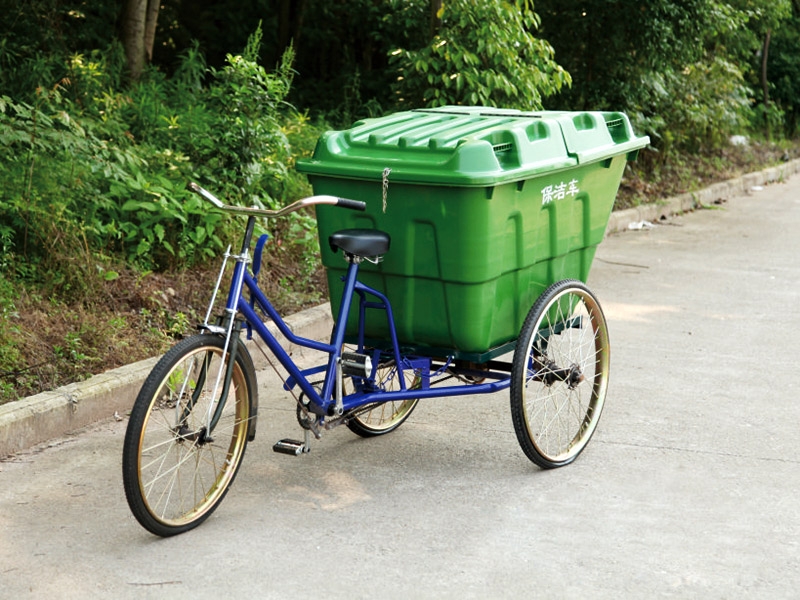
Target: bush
<point x="693" y="109"/>
<point x="93" y="207"/>
<point x="484" y="54"/>
<point x="94" y="172"/>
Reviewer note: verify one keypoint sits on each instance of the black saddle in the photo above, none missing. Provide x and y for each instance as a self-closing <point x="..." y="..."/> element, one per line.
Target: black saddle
<point x="365" y="243"/>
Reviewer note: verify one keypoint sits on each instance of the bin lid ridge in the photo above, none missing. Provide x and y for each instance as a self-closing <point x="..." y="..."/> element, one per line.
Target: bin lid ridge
<point x="471" y="146"/>
<point x="420" y="132"/>
<point x="380" y="129"/>
<point x="466" y="131"/>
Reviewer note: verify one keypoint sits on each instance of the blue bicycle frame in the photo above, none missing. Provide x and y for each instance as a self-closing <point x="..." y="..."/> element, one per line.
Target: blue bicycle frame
<point x="324" y="403"/>
<point x="331" y="401"/>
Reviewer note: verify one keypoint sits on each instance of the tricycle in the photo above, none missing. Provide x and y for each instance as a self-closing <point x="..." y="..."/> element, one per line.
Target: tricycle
<point x="198" y="408"/>
<point x="479" y="312"/>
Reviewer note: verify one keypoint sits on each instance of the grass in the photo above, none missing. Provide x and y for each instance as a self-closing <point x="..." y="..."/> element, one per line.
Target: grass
<point x="652" y="177"/>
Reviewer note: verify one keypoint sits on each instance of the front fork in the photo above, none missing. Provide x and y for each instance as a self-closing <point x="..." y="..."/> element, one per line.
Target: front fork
<point x="224" y="378"/>
<point x="232" y="342"/>
<point x="231" y="327"/>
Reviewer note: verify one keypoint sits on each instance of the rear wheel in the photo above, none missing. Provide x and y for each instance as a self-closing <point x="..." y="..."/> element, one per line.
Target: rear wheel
<point x="176" y="469"/>
<point x="559" y="374"/>
<point x="384" y="417"/>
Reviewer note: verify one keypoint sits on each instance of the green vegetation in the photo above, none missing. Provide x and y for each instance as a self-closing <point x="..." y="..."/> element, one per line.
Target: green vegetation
<point x="483" y="54"/>
<point x="93" y="204"/>
<point x="103" y="252"/>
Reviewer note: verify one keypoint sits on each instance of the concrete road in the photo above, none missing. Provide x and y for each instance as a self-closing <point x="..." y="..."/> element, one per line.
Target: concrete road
<point x="688" y="489"/>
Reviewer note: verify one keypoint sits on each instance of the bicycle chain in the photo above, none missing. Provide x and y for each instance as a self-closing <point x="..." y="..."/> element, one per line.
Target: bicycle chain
<point x="332" y="421"/>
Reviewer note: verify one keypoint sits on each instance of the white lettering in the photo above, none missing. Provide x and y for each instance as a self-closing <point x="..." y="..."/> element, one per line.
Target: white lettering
<point x="560" y="191"/>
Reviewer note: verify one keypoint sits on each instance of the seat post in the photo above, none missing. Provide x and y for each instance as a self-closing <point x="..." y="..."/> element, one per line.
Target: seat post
<point x="339" y="328"/>
<point x="352" y="258"/>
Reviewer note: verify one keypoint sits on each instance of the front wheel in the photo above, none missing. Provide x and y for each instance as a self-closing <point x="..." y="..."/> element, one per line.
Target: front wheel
<point x="181" y="453"/>
<point x="559" y="374"/>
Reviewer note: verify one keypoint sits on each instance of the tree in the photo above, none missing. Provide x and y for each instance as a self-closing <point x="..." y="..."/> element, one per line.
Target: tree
<point x="607" y="46"/>
<point x="686" y="71"/>
<point x="765" y="21"/>
<point x="482" y="54"/>
<point x="290" y="21"/>
<point x="138" y="32"/>
<point x="784" y="68"/>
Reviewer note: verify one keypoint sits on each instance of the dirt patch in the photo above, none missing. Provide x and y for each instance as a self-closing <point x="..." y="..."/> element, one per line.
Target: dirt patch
<point x="652" y="178"/>
<point x="130" y="318"/>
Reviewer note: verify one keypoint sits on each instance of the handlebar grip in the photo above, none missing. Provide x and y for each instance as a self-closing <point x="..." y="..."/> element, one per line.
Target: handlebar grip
<point x="351" y="204"/>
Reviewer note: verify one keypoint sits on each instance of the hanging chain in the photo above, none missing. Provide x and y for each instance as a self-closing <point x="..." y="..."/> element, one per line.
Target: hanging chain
<point x="386" y="172"/>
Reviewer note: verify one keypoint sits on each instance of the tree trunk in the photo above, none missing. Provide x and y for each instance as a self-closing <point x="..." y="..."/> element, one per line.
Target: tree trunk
<point x="764" y="81"/>
<point x="290" y="22"/>
<point x="134" y="18"/>
<point x="435" y="21"/>
<point x="139" y="18"/>
<point x="150" y="28"/>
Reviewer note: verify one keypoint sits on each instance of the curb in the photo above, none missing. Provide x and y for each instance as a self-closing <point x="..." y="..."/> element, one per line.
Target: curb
<point x="43" y="417"/>
<point x="37" y="419"/>
<point x="621" y="219"/>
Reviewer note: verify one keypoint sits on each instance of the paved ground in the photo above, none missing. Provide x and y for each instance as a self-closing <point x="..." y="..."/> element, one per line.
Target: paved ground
<point x="688" y="489"/>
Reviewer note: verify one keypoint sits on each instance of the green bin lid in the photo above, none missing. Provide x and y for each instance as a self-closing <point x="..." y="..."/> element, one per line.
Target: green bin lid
<point x="471" y="146"/>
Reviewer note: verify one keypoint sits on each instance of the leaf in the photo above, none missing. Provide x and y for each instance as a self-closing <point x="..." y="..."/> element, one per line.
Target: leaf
<point x="143" y="247"/>
<point x="199" y="235"/>
<point x="132" y="205"/>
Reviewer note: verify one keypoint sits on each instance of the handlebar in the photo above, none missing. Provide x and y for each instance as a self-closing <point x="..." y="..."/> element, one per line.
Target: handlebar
<point x="295" y="206"/>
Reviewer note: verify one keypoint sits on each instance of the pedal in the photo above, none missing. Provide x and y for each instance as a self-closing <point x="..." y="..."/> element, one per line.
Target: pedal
<point x="291" y="447"/>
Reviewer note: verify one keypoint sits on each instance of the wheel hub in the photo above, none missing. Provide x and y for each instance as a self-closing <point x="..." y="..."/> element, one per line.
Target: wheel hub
<point x="550" y="373"/>
<point x="183" y="433"/>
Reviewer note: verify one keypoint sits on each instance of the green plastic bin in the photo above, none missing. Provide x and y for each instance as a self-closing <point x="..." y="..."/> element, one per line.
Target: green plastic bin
<point x="485" y="208"/>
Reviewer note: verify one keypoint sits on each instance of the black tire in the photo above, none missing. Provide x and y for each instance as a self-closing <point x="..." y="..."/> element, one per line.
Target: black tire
<point x="384" y="417"/>
<point x="559" y="374"/>
<point x="174" y="474"/>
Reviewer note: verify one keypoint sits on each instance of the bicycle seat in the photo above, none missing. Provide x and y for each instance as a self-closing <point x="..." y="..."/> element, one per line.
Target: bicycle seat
<point x="365" y="243"/>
